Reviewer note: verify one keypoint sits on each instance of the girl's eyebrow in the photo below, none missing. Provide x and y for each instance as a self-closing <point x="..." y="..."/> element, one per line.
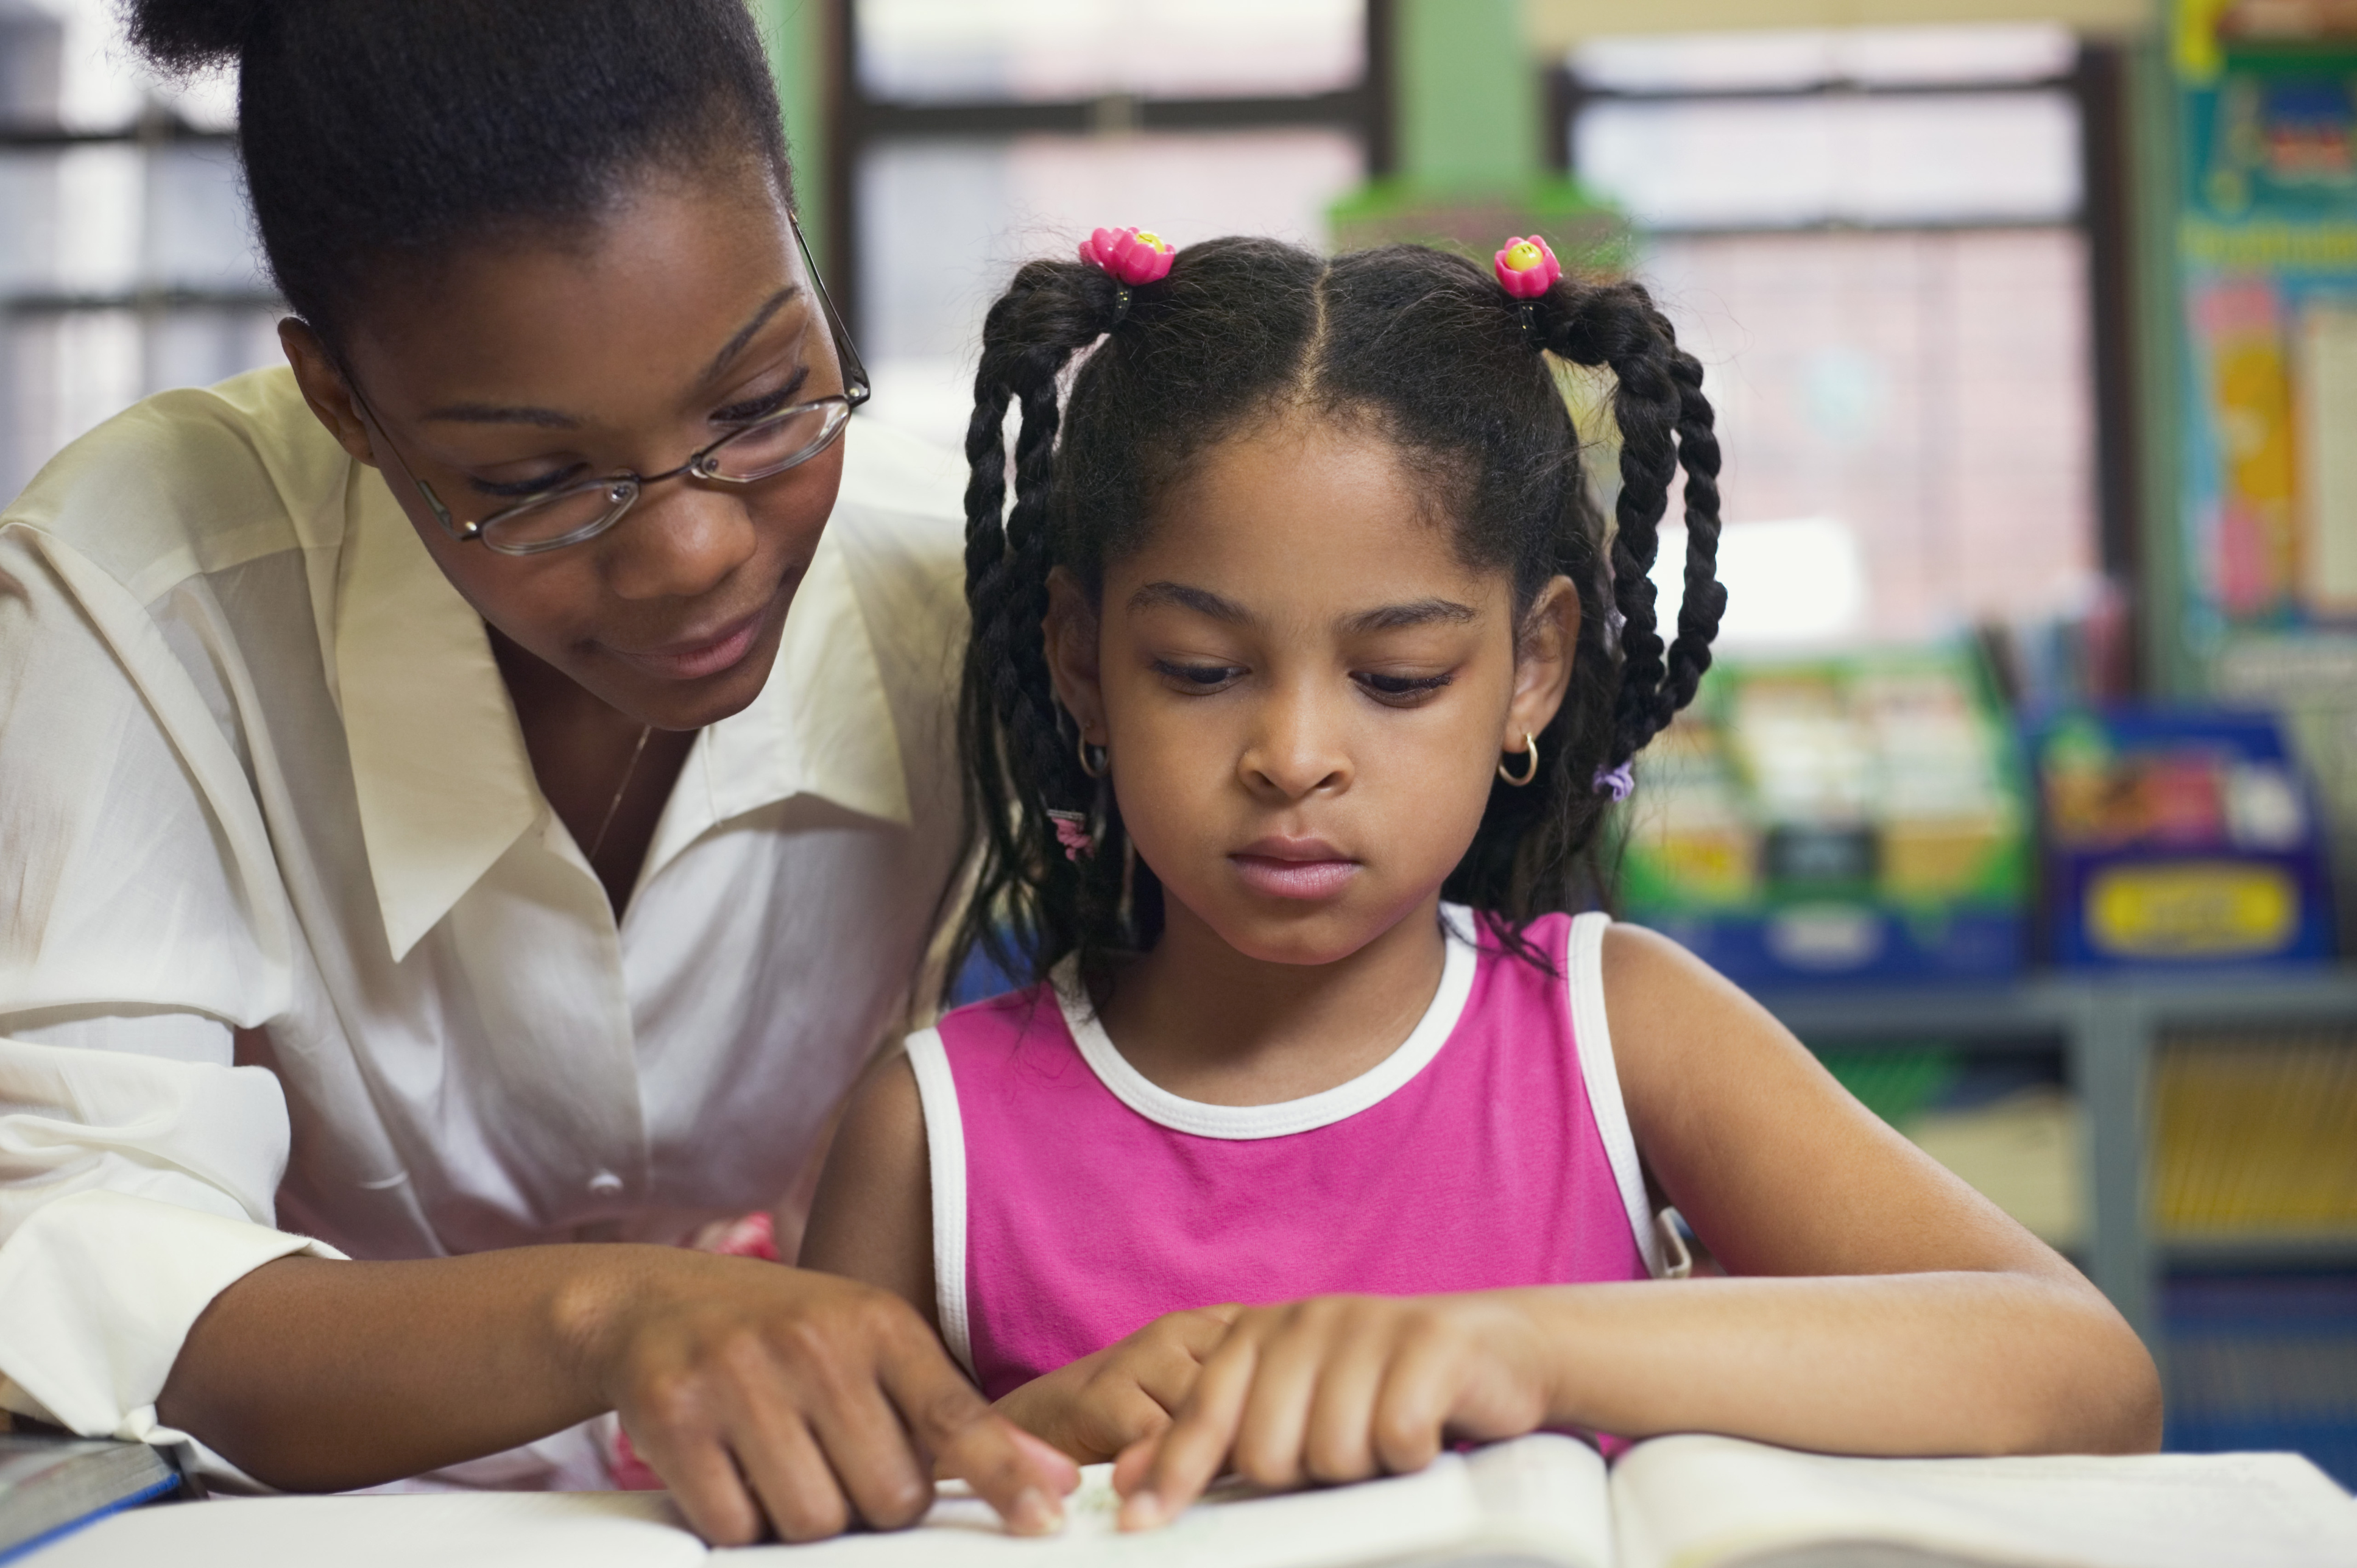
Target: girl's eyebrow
<point x="1202" y="601"/>
<point x="1417" y="612"/>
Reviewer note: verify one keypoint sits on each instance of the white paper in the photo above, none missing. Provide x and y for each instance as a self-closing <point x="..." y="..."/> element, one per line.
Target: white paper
<point x="1684" y="1502"/>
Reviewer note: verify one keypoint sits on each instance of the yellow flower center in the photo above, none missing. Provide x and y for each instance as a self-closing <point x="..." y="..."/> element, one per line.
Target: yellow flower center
<point x="1148" y="237"/>
<point x="1523" y="257"/>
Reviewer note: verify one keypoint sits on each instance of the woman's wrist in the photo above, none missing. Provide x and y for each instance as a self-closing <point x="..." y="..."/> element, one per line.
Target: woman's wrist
<point x="599" y="1296"/>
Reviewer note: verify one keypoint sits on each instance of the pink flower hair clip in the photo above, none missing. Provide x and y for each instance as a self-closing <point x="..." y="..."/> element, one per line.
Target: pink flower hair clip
<point x="1130" y="256"/>
<point x="1073" y="833"/>
<point x="1526" y="268"/>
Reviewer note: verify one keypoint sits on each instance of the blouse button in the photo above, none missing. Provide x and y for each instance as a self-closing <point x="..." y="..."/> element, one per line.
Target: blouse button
<point x="604" y="1184"/>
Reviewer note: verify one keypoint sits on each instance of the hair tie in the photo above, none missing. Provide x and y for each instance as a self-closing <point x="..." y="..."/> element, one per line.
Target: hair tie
<point x="1073" y="833"/>
<point x="1120" y="306"/>
<point x="1526" y="268"/>
<point x="1130" y="256"/>
<point x="1617" y="781"/>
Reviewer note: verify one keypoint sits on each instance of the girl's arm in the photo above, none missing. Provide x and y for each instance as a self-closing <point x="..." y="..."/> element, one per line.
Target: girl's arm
<point x="872" y="1220"/>
<point x="762" y="1394"/>
<point x="1881" y="1306"/>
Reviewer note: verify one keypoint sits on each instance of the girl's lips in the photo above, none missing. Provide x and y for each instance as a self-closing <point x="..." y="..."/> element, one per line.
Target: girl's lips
<point x="694" y="660"/>
<point x="1279" y="878"/>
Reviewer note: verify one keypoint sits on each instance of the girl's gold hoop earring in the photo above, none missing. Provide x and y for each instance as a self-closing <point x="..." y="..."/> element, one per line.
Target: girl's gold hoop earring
<point x="1097" y="769"/>
<point x="1531" y="748"/>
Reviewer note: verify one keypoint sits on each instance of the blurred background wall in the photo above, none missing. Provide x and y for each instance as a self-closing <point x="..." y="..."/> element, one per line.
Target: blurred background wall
<point x="2026" y="791"/>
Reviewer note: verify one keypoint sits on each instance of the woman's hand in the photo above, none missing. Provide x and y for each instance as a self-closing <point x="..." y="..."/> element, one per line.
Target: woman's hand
<point x="1341" y="1388"/>
<point x="1101" y="1405"/>
<point x="765" y="1396"/>
<point x="810" y="1400"/>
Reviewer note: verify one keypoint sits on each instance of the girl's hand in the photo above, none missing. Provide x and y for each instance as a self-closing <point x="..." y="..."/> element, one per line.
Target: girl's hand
<point x="1101" y="1405"/>
<point x="1341" y="1388"/>
<point x="812" y="1401"/>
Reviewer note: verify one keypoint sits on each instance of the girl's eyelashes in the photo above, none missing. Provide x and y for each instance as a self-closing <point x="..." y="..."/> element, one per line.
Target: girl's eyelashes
<point x="1401" y="691"/>
<point x="1196" y="679"/>
<point x="1395" y="691"/>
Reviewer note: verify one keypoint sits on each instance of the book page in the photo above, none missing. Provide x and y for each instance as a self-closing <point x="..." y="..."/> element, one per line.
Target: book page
<point x="1375" y="1521"/>
<point x="1544" y="1498"/>
<point x="1697" y="1502"/>
<point x="418" y="1530"/>
<point x="1541" y="1499"/>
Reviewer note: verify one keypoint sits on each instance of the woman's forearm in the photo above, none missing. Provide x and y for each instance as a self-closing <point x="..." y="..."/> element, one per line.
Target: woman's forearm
<point x="764" y="1396"/>
<point x="316" y="1376"/>
<point x="1925" y="1363"/>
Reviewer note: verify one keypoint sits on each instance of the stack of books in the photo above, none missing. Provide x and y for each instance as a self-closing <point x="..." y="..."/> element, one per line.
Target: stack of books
<point x="2256" y="1139"/>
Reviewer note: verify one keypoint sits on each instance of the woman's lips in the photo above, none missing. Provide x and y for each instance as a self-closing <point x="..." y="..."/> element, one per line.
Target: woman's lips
<point x="1294" y="869"/>
<point x="694" y="659"/>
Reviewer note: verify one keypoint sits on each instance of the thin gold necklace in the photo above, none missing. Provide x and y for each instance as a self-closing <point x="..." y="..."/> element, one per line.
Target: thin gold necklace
<point x="620" y="790"/>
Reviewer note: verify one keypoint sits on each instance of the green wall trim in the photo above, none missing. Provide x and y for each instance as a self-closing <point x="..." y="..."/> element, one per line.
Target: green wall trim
<point x="1465" y="93"/>
<point x="795" y="33"/>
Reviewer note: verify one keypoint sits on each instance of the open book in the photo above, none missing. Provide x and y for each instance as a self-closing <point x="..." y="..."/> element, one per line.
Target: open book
<point x="1543" y="1501"/>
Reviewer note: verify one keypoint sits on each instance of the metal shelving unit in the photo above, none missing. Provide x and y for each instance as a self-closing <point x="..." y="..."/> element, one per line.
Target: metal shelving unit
<point x="2107" y="1028"/>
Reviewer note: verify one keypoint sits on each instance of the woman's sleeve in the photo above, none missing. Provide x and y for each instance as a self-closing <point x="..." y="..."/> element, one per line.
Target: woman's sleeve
<point x="138" y="1165"/>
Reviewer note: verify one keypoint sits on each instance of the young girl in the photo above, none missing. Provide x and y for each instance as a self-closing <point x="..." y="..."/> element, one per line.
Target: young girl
<point x="1303" y="674"/>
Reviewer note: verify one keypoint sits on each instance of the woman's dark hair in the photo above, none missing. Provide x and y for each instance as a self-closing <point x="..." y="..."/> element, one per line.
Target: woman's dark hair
<point x="1421" y="347"/>
<point x="379" y="133"/>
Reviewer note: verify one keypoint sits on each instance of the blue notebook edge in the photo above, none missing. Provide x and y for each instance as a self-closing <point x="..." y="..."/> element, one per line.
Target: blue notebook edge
<point x="24" y="1548"/>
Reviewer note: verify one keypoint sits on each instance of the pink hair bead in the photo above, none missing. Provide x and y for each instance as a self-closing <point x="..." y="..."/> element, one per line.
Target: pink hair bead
<point x="1132" y="256"/>
<point x="1526" y="268"/>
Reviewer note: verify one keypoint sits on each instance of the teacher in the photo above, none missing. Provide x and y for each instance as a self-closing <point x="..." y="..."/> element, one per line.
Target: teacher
<point x="472" y="800"/>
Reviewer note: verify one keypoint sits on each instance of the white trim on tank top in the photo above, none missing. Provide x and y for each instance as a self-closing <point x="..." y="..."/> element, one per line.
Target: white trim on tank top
<point x="946" y="1156"/>
<point x="1583" y="970"/>
<point x="1459" y="960"/>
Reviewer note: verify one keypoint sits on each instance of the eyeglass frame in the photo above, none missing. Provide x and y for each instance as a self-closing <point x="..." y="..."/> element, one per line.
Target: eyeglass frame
<point x="856" y="391"/>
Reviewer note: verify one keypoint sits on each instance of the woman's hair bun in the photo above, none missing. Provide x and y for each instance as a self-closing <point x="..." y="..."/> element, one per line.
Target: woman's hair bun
<point x="190" y="35"/>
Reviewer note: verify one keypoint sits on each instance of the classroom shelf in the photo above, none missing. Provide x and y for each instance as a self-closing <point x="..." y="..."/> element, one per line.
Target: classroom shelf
<point x="2257" y="1252"/>
<point x="2109" y="1029"/>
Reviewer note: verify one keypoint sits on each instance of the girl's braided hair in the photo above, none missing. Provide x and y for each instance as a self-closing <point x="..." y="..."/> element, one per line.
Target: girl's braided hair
<point x="1424" y="349"/>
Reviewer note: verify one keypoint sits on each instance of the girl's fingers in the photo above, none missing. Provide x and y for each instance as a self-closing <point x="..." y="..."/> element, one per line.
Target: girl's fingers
<point x="1167" y="1367"/>
<point x="1187" y="1457"/>
<point x="1417" y="1397"/>
<point x="1336" y="1444"/>
<point x="1120" y="1417"/>
<point x="1266" y="1450"/>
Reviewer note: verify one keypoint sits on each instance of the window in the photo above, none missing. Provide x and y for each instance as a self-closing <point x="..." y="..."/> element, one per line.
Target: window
<point x="126" y="262"/>
<point x="1876" y="242"/>
<point x="978" y="135"/>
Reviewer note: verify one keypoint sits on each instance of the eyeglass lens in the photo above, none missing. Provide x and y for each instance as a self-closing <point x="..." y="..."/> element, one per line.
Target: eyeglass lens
<point x="755" y="453"/>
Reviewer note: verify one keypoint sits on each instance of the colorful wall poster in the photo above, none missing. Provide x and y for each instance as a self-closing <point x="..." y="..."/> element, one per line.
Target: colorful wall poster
<point x="2267" y="239"/>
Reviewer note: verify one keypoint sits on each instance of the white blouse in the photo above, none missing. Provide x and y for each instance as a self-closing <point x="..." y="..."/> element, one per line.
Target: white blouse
<point x="258" y="772"/>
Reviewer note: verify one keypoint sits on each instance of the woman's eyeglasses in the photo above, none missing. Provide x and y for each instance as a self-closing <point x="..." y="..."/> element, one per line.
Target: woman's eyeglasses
<point x="580" y="511"/>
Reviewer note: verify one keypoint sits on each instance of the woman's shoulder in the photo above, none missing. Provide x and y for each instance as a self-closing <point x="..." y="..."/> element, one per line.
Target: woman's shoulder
<point x="196" y="479"/>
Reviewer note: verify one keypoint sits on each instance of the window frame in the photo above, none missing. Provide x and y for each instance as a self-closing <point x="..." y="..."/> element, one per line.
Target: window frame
<point x="2097" y="84"/>
<point x="861" y="123"/>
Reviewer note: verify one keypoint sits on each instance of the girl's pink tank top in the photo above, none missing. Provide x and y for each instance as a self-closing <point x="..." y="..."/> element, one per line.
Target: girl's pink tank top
<point x="1074" y="1201"/>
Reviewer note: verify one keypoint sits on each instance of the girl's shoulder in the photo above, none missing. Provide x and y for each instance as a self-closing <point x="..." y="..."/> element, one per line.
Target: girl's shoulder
<point x="1005" y="1021"/>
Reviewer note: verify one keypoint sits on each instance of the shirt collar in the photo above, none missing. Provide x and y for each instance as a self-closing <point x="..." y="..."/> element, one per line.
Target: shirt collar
<point x="443" y="784"/>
